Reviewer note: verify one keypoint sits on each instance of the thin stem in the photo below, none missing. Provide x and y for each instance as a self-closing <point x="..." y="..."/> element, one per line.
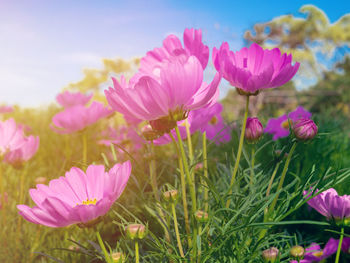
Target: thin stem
<point x="252" y="165"/>
<point x="187" y="171"/>
<point x="177" y="230"/>
<point x="284" y="172"/>
<point x="272" y="178"/>
<point x="137" y="256"/>
<point x="339" y="245"/>
<point x="183" y="191"/>
<point x="103" y="248"/>
<point x="240" y="148"/>
<point x="189" y="140"/>
<point x="21" y="197"/>
<point x="154" y="184"/>
<point x="84" y="148"/>
<point x="205" y="167"/>
<point x="192" y="192"/>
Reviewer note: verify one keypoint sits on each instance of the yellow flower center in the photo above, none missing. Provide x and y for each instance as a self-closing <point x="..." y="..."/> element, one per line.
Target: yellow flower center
<point x="318" y="254"/>
<point x="213" y="121"/>
<point x="89" y="202"/>
<point x="285" y="124"/>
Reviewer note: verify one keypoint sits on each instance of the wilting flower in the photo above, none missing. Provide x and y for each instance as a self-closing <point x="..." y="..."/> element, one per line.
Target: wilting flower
<point x="172" y="48"/>
<point x="253" y="130"/>
<point x="314" y="253"/>
<point x="330" y="204"/>
<point x="279" y="127"/>
<point x="6" y="109"/>
<point x="78" y="117"/>
<point x="69" y="99"/>
<point x="78" y="197"/>
<point x="22" y="154"/>
<point x="11" y="137"/>
<point x="253" y="69"/>
<point x="304" y="129"/>
<point x="209" y="120"/>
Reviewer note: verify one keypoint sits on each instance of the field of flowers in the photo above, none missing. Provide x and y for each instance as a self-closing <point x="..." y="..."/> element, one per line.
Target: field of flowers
<point x="156" y="171"/>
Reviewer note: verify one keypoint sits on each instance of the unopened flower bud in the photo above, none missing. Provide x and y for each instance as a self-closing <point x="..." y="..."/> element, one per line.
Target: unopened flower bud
<point x="171" y="196"/>
<point x="136" y="231"/>
<point x="304" y="129"/>
<point x="297" y="251"/>
<point x="118" y="257"/>
<point x="148" y="133"/>
<point x="163" y="125"/>
<point x="199" y="166"/>
<point x="201" y="216"/>
<point x="270" y="255"/>
<point x="254" y="130"/>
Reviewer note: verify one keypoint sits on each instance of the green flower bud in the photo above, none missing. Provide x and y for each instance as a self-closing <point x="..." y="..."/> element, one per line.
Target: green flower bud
<point x="201" y="216"/>
<point x="136" y="231"/>
<point x="297" y="252"/>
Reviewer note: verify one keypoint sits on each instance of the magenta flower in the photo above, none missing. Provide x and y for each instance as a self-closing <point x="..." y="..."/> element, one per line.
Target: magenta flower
<point x="78" y="197"/>
<point x="304" y="129"/>
<point x="279" y="127"/>
<point x="253" y="69"/>
<point x="79" y="117"/>
<point x="314" y="253"/>
<point x="330" y="204"/>
<point x="172" y="47"/>
<point x="11" y="136"/>
<point x="69" y="99"/>
<point x="22" y="154"/>
<point x="6" y="109"/>
<point x="123" y="135"/>
<point x="179" y="89"/>
<point x="209" y="120"/>
<point x="254" y="130"/>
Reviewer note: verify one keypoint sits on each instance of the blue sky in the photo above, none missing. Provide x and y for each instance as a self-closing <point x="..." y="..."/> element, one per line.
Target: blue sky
<point x="45" y="44"/>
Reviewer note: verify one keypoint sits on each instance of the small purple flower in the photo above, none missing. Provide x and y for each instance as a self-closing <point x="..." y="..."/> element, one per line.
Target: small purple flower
<point x="330" y="204"/>
<point x="305" y="129"/>
<point x="254" y="130"/>
<point x="279" y="127"/>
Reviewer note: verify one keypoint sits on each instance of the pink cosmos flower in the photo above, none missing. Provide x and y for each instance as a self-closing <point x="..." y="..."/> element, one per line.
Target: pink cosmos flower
<point x="123" y="135"/>
<point x="314" y="253"/>
<point x="254" y="130"/>
<point x="279" y="127"/>
<point x="172" y="47"/>
<point x="11" y="136"/>
<point x="78" y="197"/>
<point x="6" y="109"/>
<point x="330" y="204"/>
<point x="69" y="99"/>
<point x="79" y="117"/>
<point x="209" y="120"/>
<point x="179" y="89"/>
<point x="22" y="154"/>
<point x="304" y="129"/>
<point x="253" y="69"/>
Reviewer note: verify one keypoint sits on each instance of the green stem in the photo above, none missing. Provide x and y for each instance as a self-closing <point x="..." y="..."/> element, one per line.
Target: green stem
<point x="239" y="153"/>
<point x="205" y="167"/>
<point x="187" y="171"/>
<point x="154" y="184"/>
<point x="137" y="256"/>
<point x="284" y="172"/>
<point x="271" y="180"/>
<point x="339" y="245"/>
<point x="189" y="140"/>
<point x="192" y="192"/>
<point x="252" y="165"/>
<point x="84" y="148"/>
<point x="177" y="231"/>
<point x="103" y="248"/>
<point x="183" y="190"/>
